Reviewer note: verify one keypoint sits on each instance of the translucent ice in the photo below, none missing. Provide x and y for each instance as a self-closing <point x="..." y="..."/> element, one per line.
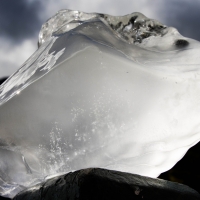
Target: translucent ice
<point x="119" y="93"/>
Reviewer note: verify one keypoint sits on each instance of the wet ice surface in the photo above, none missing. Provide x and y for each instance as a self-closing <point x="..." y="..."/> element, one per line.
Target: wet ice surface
<point x="120" y="93"/>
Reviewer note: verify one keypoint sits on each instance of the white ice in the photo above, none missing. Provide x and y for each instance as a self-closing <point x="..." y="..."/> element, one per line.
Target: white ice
<point x="100" y="93"/>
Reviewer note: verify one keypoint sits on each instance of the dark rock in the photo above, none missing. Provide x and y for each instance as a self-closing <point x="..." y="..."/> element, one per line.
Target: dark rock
<point x="101" y="184"/>
<point x="186" y="171"/>
<point x="4" y="198"/>
<point x="2" y="80"/>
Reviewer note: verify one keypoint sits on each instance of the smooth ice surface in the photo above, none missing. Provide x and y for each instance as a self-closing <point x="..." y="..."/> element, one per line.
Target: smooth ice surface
<point x="119" y="93"/>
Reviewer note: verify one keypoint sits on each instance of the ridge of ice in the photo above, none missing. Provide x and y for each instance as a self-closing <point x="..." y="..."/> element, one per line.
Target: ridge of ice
<point x="120" y="93"/>
<point x="132" y="28"/>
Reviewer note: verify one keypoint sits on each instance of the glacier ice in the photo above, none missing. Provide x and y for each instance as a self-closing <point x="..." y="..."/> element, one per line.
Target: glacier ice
<point x="120" y="93"/>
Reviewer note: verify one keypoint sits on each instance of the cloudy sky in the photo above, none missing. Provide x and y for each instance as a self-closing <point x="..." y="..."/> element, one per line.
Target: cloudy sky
<point x="21" y="20"/>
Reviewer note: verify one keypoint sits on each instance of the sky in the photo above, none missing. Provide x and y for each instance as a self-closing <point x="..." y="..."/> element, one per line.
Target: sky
<point x="21" y="20"/>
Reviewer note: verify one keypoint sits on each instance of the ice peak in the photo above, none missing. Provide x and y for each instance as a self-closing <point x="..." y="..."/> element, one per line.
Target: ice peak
<point x="132" y="28"/>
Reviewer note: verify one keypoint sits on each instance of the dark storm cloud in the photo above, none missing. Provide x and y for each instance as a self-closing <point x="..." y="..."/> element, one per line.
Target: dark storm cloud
<point x="19" y="19"/>
<point x="184" y="16"/>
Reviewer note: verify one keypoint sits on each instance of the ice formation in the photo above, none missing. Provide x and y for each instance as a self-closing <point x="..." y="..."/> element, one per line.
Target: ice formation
<point x="120" y="93"/>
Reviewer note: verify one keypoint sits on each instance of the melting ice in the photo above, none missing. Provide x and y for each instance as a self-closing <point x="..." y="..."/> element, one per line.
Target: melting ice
<point x="120" y="93"/>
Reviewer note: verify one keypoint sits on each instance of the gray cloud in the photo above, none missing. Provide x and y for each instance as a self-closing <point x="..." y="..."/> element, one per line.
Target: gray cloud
<point x="19" y="19"/>
<point x="182" y="15"/>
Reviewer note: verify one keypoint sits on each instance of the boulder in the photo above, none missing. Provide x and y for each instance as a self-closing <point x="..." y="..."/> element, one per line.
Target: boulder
<point x="102" y="184"/>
